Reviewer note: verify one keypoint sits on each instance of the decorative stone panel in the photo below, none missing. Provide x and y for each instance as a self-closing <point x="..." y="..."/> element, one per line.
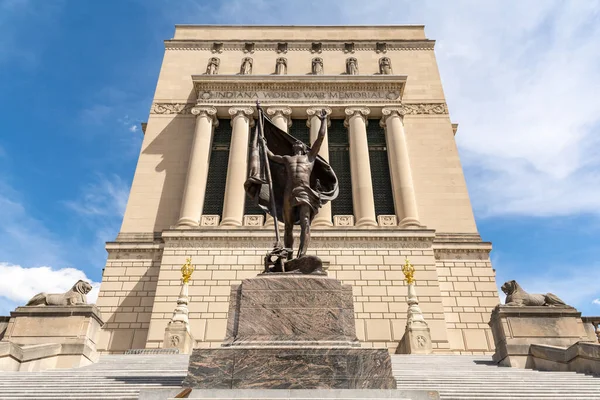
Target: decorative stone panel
<point x="254" y="220"/>
<point x="209" y="220"/>
<point x="387" y="220"/>
<point x="343" y="220"/>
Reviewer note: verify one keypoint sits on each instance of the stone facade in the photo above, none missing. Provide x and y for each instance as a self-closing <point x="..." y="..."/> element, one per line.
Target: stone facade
<point x="433" y="224"/>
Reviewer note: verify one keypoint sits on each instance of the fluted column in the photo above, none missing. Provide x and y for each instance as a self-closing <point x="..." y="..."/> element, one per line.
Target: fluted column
<point x="360" y="166"/>
<point x="281" y="118"/>
<point x="195" y="181"/>
<point x="400" y="171"/>
<point x="323" y="218"/>
<point x="233" y="204"/>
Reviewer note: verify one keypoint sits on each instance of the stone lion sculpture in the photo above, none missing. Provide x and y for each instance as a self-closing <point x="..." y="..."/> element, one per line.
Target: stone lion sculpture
<point x="516" y="296"/>
<point x="74" y="297"/>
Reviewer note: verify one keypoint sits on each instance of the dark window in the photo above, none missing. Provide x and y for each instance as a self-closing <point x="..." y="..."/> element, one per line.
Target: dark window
<point x="339" y="159"/>
<point x="380" y="169"/>
<point x="217" y="169"/>
<point x="300" y="131"/>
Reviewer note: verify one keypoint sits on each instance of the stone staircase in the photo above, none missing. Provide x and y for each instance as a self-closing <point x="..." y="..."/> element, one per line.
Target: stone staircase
<point x="476" y="377"/>
<point x="455" y="377"/>
<point x="113" y="377"/>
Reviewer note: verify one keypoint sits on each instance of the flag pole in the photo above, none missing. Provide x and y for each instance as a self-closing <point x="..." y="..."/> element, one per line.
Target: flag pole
<point x="268" y="173"/>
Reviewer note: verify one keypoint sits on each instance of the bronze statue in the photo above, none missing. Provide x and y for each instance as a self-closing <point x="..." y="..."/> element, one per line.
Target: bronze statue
<point x="291" y="182"/>
<point x="300" y="201"/>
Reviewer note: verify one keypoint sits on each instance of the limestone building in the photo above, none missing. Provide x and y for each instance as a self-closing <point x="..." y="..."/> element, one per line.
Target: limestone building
<point x="390" y="140"/>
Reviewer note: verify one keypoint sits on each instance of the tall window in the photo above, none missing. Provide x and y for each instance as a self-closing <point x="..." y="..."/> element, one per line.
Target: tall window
<point x="380" y="169"/>
<point x="217" y="170"/>
<point x="339" y="159"/>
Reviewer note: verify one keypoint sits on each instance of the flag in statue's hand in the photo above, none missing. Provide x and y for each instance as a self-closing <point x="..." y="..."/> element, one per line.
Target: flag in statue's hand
<point x="323" y="181"/>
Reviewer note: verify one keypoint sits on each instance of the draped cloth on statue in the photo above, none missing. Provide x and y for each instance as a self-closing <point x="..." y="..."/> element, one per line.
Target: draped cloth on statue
<point x="323" y="182"/>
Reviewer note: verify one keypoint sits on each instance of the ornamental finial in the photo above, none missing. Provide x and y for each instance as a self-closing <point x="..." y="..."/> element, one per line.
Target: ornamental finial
<point x="409" y="270"/>
<point x="187" y="270"/>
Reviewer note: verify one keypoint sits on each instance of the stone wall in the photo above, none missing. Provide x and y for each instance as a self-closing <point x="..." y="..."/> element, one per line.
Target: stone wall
<point x="371" y="263"/>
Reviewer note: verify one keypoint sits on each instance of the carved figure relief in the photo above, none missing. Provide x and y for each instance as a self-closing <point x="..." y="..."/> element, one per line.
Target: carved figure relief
<point x="352" y="66"/>
<point x="246" y="68"/>
<point x="516" y="296"/>
<point x="249" y="48"/>
<point x="380" y="47"/>
<point x="316" y="48"/>
<point x="317" y="66"/>
<point x="175" y="340"/>
<point x="348" y="47"/>
<point x="281" y="66"/>
<point x="385" y="66"/>
<point x="74" y="297"/>
<point x="421" y="341"/>
<point x="213" y="66"/>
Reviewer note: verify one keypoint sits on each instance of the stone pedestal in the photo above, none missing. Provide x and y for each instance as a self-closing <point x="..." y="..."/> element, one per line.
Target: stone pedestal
<point x="417" y="337"/>
<point x="44" y="337"/>
<point x="290" y="331"/>
<point x="178" y="336"/>
<point x="515" y="329"/>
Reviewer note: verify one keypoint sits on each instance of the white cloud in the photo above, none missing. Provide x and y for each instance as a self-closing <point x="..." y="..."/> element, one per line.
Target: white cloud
<point x="133" y="128"/>
<point x="19" y="284"/>
<point x="596" y="302"/>
<point x="105" y="197"/>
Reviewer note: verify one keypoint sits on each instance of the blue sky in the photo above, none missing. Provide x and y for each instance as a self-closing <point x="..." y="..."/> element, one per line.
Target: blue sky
<point x="521" y="79"/>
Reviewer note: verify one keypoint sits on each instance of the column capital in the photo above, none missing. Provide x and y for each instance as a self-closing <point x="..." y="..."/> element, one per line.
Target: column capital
<point x="361" y="112"/>
<point x="206" y="111"/>
<point x="282" y="111"/>
<point x="315" y="111"/>
<point x="245" y="112"/>
<point x="388" y="112"/>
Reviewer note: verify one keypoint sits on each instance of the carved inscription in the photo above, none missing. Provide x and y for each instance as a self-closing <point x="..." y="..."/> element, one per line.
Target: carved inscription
<point x="300" y="95"/>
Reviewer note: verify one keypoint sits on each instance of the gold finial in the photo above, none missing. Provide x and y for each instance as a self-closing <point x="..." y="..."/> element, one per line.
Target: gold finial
<point x="187" y="270"/>
<point x="409" y="270"/>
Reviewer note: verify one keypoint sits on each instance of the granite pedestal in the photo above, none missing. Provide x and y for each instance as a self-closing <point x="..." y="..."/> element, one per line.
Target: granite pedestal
<point x="290" y="332"/>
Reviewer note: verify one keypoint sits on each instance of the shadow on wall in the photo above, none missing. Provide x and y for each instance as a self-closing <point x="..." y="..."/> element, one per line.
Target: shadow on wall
<point x="127" y="326"/>
<point x="3" y="326"/>
<point x="172" y="143"/>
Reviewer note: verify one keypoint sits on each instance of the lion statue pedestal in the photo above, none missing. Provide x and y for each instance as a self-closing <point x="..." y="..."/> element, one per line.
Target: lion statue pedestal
<point x="52" y="331"/>
<point x="526" y="319"/>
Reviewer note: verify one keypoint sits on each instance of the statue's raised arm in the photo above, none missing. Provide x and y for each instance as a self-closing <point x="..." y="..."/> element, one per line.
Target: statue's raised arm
<point x="316" y="147"/>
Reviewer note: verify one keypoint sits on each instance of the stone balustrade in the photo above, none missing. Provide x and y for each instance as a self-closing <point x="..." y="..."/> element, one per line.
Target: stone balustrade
<point x="595" y="322"/>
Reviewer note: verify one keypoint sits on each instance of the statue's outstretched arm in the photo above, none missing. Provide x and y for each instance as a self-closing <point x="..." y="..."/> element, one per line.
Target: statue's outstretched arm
<point x="316" y="147"/>
<point x="274" y="157"/>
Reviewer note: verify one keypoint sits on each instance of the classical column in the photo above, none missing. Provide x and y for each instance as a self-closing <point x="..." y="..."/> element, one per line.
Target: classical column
<point x="195" y="182"/>
<point x="233" y="205"/>
<point x="323" y="218"/>
<point x="281" y="118"/>
<point x="360" y="167"/>
<point x="400" y="172"/>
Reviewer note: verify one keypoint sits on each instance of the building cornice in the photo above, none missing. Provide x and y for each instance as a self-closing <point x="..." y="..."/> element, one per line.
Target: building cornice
<point x="272" y="45"/>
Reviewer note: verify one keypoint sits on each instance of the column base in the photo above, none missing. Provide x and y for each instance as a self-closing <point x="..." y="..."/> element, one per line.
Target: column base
<point x="365" y="222"/>
<point x="321" y="223"/>
<point x="410" y="222"/>
<point x="185" y="222"/>
<point x="232" y="222"/>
